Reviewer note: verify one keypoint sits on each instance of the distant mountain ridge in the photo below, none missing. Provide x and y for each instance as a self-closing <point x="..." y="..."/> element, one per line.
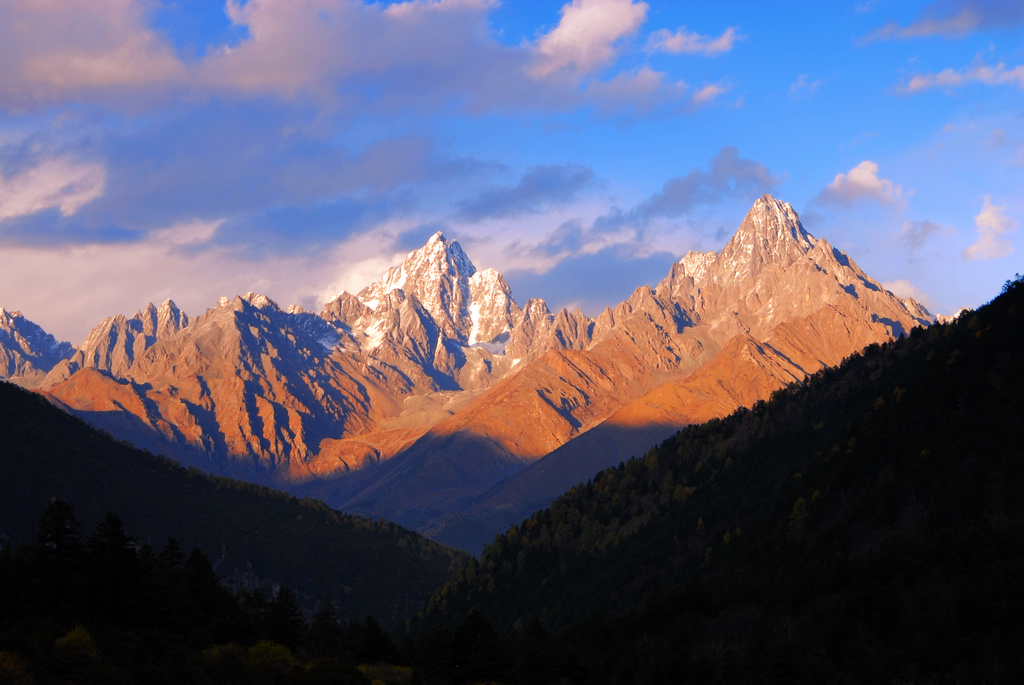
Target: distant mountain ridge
<point x="27" y="352"/>
<point x="416" y="396"/>
<point x="722" y="331"/>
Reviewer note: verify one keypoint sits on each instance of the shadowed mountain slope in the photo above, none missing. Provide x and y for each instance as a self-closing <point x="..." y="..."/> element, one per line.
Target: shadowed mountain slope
<point x="415" y="398"/>
<point x="864" y="526"/>
<point x="722" y="331"/>
<point x="255" y="536"/>
<point x="27" y="352"/>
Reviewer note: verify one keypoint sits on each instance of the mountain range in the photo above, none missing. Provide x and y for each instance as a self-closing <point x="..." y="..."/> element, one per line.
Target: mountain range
<point x="433" y="399"/>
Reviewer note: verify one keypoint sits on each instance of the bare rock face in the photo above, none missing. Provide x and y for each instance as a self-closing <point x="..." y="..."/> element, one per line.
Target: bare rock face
<point x="246" y="383"/>
<point x="466" y="306"/>
<point x="117" y="341"/>
<point x="448" y="326"/>
<point x="722" y="331"/>
<point x="492" y="311"/>
<point x="773" y="271"/>
<point x="428" y="387"/>
<point x="27" y="352"/>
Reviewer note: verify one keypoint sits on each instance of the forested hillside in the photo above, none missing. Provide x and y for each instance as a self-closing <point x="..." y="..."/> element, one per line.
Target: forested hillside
<point x="255" y="537"/>
<point x="865" y="525"/>
<point x="104" y="609"/>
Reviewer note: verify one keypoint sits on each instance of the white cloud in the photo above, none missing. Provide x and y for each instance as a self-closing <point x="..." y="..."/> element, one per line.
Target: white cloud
<point x="683" y="43"/>
<point x="861" y="182"/>
<point x="186" y="234"/>
<point x="585" y="38"/>
<point x="339" y="54"/>
<point x="52" y="183"/>
<point x="54" y="49"/>
<point x="74" y="287"/>
<point x="709" y="93"/>
<point x="998" y="75"/>
<point x="993" y="225"/>
<point x="907" y="290"/>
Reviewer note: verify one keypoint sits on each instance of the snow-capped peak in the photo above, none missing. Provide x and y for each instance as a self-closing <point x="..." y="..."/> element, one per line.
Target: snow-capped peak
<point x="493" y="311"/>
<point x="438" y="276"/>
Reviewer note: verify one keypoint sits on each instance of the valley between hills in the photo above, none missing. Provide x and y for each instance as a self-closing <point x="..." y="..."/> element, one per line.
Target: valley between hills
<point x="791" y="518"/>
<point x="433" y="399"/>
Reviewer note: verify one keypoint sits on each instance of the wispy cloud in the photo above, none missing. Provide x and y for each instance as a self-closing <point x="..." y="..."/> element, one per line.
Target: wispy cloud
<point x="955" y="19"/>
<point x="52" y="51"/>
<point x="915" y="233"/>
<point x="186" y="234"/>
<point x="540" y="188"/>
<point x="709" y="93"/>
<point x="727" y="175"/>
<point x="639" y="90"/>
<point x="804" y="87"/>
<point x="907" y="290"/>
<point x="583" y="280"/>
<point x="51" y="183"/>
<point x="338" y="54"/>
<point x="997" y="75"/>
<point x="622" y="233"/>
<point x="861" y="183"/>
<point x="993" y="225"/>
<point x="683" y="42"/>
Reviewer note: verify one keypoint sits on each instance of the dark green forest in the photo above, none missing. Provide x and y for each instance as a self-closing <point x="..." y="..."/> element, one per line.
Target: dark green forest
<point x="256" y="537"/>
<point x="864" y="526"/>
<point x="107" y="610"/>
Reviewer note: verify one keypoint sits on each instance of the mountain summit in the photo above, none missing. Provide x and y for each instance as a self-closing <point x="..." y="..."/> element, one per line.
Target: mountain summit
<point x="438" y="275"/>
<point x="771" y="233"/>
<point x="27" y="352"/>
<point x="437" y="379"/>
<point x="467" y="305"/>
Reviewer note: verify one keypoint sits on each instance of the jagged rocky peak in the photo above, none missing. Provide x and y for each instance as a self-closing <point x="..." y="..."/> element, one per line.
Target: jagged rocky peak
<point x="423" y="273"/>
<point x="771" y="233"/>
<point x="163" y="321"/>
<point x="345" y="309"/>
<point x="466" y="305"/>
<point x="15" y="327"/>
<point x="438" y="276"/>
<point x="696" y="264"/>
<point x="258" y="301"/>
<point x="492" y="310"/>
<point x="27" y="352"/>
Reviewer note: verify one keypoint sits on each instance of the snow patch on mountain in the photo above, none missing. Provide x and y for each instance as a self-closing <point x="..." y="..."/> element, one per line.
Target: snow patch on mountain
<point x="696" y="264"/>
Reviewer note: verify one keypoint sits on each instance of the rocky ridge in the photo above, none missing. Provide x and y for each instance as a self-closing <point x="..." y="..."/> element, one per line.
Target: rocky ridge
<point x="27" y="352"/>
<point x="437" y="378"/>
<point x="723" y="330"/>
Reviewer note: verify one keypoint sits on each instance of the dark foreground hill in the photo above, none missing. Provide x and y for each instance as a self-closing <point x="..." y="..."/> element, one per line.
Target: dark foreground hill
<point x="866" y="525"/>
<point x="253" y="535"/>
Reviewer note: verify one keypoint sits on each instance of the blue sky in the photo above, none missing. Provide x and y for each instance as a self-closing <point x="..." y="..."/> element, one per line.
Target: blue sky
<point x="191" y="149"/>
